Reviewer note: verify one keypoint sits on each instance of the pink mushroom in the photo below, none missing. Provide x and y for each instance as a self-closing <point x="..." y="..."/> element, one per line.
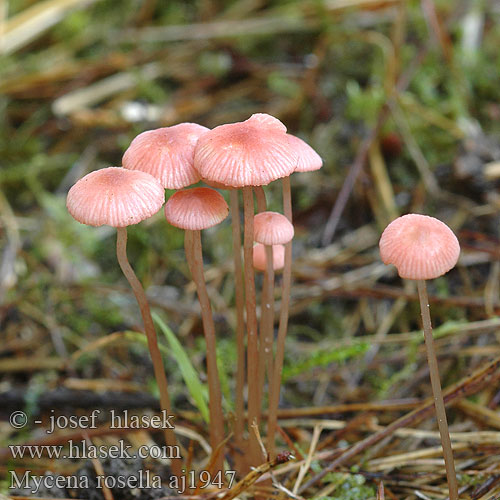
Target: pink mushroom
<point x="118" y="197"/>
<point x="309" y="160"/>
<point x="260" y="258"/>
<point x="193" y="210"/>
<point x="423" y="248"/>
<point x="270" y="228"/>
<point x="245" y="154"/>
<point x="167" y="154"/>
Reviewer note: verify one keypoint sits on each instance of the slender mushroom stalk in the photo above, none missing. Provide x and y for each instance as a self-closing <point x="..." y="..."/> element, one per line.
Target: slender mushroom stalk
<point x="158" y="367"/>
<point x="252" y="334"/>
<point x="274" y="395"/>
<point x="266" y="309"/>
<point x="192" y="245"/>
<point x="267" y="322"/>
<point x="193" y="210"/>
<point x="307" y="161"/>
<point x="118" y="197"/>
<point x="422" y="248"/>
<point x="240" y="319"/>
<point x="436" y="391"/>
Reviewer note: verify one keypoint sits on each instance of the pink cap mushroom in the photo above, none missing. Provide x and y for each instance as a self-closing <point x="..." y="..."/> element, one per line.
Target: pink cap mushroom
<point x="250" y="153"/>
<point x="421" y="247"/>
<point x="167" y="154"/>
<point x="308" y="160"/>
<point x="115" y="196"/>
<point x="259" y="257"/>
<point x="119" y="197"/>
<point x="195" y="209"/>
<point x="272" y="228"/>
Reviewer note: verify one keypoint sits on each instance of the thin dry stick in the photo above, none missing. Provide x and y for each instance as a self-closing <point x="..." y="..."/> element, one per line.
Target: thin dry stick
<point x="252" y="334"/>
<point x="194" y="256"/>
<point x="159" y="369"/>
<point x="254" y="474"/>
<point x="465" y="387"/>
<point x="240" y="320"/>
<point x="274" y="393"/>
<point x="436" y="391"/>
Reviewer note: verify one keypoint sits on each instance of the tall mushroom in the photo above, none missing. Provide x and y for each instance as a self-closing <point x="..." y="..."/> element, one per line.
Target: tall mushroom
<point x="193" y="210"/>
<point x="307" y="161"/>
<point x="245" y="154"/>
<point x="118" y="197"/>
<point x="270" y="228"/>
<point x="422" y="248"/>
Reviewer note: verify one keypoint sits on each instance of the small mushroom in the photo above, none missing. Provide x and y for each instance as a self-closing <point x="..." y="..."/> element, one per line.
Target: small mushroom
<point x="193" y="210"/>
<point x="166" y="153"/>
<point x="270" y="228"/>
<point x="422" y="248"/>
<point x="119" y="197"/>
<point x="251" y="153"/>
<point x="260" y="258"/>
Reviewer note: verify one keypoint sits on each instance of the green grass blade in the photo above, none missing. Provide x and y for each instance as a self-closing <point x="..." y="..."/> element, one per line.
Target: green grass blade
<point x="197" y="390"/>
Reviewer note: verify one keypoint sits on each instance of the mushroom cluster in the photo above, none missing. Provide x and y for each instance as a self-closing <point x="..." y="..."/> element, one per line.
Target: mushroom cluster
<point x="239" y="156"/>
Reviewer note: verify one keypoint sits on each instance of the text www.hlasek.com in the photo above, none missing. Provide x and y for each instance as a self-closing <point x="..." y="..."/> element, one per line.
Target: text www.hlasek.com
<point x="83" y="449"/>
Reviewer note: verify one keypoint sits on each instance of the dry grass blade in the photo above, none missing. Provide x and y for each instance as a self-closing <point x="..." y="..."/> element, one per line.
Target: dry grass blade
<point x="468" y="385"/>
<point x="254" y="474"/>
<point x="30" y="23"/>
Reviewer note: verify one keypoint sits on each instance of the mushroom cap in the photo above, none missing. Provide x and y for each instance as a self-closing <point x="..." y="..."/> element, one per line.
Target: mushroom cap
<point x="195" y="209"/>
<point x="259" y="257"/>
<point x="272" y="228"/>
<point x="309" y="160"/>
<point x="166" y="153"/>
<point x="115" y="196"/>
<point x="421" y="247"/>
<point x="250" y="153"/>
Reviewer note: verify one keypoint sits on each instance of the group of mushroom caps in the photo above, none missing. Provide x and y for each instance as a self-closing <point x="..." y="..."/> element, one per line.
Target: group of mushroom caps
<point x="245" y="155"/>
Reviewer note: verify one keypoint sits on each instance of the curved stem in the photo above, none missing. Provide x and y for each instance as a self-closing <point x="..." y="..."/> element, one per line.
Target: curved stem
<point x="240" y="320"/>
<point x="159" y="369"/>
<point x="436" y="391"/>
<point x="252" y="334"/>
<point x="192" y="243"/>
<point x="274" y="396"/>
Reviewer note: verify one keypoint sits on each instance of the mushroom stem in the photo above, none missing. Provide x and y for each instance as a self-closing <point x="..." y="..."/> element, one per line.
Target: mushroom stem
<point x="240" y="320"/>
<point x="267" y="322"/>
<point x="194" y="257"/>
<point x="252" y="334"/>
<point x="159" y="369"/>
<point x="274" y="394"/>
<point x="266" y="309"/>
<point x="436" y="391"/>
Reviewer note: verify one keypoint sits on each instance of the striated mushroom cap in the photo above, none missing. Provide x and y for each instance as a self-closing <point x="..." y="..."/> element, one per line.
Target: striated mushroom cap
<point x="421" y="247"/>
<point x="167" y="154"/>
<point x="308" y="160"/>
<point x="115" y="196"/>
<point x="259" y="257"/>
<point x="195" y="209"/>
<point x="272" y="228"/>
<point x="250" y="153"/>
